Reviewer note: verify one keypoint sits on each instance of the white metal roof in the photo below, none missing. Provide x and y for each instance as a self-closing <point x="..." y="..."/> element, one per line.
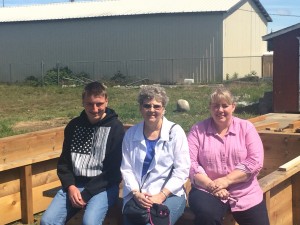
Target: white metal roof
<point x="71" y="10"/>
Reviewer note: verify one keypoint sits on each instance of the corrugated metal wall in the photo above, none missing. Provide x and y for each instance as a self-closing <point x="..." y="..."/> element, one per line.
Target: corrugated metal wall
<point x="243" y="45"/>
<point x="164" y="48"/>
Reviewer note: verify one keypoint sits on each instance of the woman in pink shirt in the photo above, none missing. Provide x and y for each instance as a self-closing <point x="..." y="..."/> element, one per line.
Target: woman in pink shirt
<point x="226" y="157"/>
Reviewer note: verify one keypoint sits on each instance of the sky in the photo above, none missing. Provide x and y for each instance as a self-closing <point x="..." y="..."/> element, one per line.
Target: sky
<point x="284" y="13"/>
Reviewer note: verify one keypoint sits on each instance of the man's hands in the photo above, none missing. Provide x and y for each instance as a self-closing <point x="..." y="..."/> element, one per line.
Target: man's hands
<point x="75" y="197"/>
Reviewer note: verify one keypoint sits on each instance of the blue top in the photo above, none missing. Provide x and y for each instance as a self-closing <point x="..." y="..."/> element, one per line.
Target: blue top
<point x="149" y="154"/>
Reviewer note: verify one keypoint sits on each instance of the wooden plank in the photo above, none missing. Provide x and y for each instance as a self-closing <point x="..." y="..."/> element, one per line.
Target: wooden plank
<point x="30" y="144"/>
<point x="296" y="198"/>
<point x="44" y="173"/>
<point x="286" y="130"/>
<point x="275" y="178"/>
<point x="267" y="197"/>
<point x="265" y="126"/>
<point x="10" y="208"/>
<point x="287" y="166"/>
<point x="281" y="212"/>
<point x="26" y="194"/>
<point x="9" y="182"/>
<point x="279" y="148"/>
<point x="294" y="124"/>
<point x="30" y="160"/>
<point x="40" y="200"/>
<point x="57" y="130"/>
<point x="257" y="119"/>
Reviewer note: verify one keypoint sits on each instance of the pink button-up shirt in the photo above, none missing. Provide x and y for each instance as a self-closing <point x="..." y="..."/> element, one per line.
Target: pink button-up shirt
<point x="241" y="148"/>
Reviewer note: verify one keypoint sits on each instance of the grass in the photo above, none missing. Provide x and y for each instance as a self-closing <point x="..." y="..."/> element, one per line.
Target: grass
<point x="25" y="108"/>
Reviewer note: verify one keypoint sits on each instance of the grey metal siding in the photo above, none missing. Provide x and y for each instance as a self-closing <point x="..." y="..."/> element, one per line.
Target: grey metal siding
<point x="165" y="47"/>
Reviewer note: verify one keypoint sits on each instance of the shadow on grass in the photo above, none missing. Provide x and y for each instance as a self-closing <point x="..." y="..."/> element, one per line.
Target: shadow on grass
<point x="249" y="109"/>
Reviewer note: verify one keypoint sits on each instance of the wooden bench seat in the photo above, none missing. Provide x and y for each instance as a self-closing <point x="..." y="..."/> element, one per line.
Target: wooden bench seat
<point x="27" y="169"/>
<point x="28" y="175"/>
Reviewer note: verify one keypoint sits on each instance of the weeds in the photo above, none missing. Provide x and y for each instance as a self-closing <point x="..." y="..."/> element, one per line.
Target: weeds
<point x="21" y="103"/>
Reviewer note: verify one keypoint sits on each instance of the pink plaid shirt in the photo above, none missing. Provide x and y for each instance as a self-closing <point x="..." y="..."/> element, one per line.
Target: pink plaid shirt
<point x="241" y="148"/>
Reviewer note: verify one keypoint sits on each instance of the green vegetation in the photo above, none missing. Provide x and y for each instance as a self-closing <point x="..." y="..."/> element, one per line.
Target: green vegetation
<point x="59" y="75"/>
<point x="27" y="108"/>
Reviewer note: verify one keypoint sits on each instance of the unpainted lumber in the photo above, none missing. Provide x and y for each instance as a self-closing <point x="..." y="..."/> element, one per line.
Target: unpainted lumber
<point x="287" y="166"/>
<point x="30" y="160"/>
<point x="296" y="198"/>
<point x="267" y="126"/>
<point x="40" y="200"/>
<point x="273" y="179"/>
<point x="44" y="177"/>
<point x="257" y="119"/>
<point x="26" y="194"/>
<point x="30" y="145"/>
<point x="267" y="198"/>
<point x="10" y="208"/>
<point x="279" y="148"/>
<point x="294" y="124"/>
<point x="281" y="206"/>
<point x="9" y="182"/>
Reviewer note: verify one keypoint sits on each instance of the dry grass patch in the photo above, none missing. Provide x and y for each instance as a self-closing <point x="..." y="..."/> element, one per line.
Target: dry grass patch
<point x="30" y="126"/>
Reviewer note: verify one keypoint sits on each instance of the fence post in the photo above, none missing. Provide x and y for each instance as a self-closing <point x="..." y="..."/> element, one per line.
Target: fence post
<point x="57" y="67"/>
<point x="42" y="71"/>
<point x="10" y="76"/>
<point x="172" y="60"/>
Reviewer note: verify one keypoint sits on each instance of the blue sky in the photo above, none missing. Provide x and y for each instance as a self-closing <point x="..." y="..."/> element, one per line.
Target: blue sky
<point x="283" y="12"/>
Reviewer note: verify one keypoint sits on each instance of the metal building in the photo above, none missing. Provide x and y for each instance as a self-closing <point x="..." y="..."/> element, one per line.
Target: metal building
<point x="165" y="41"/>
<point x="286" y="68"/>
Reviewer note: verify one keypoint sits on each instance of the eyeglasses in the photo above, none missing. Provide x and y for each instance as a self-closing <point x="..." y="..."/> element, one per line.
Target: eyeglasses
<point x="149" y="106"/>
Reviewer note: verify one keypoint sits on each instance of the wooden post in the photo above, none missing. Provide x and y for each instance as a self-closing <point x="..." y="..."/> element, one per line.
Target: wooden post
<point x="26" y="194"/>
<point x="296" y="198"/>
<point x="267" y="196"/>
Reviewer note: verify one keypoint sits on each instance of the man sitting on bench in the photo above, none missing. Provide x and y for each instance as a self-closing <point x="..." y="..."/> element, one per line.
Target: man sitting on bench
<point x="89" y="165"/>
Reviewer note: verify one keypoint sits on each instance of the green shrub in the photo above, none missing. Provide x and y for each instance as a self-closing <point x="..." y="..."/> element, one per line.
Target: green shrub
<point x="64" y="76"/>
<point x="32" y="81"/>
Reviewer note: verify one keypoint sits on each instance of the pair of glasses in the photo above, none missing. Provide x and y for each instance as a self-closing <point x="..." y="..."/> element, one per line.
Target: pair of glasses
<point x="149" y="106"/>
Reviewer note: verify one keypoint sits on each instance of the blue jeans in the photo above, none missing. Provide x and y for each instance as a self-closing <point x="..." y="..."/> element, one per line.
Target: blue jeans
<point x="176" y="206"/>
<point x="60" y="210"/>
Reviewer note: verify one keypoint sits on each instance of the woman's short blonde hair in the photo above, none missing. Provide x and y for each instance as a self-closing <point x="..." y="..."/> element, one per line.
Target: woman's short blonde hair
<point x="222" y="94"/>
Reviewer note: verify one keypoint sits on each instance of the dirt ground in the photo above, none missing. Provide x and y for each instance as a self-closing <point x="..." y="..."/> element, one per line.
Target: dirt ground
<point x="30" y="126"/>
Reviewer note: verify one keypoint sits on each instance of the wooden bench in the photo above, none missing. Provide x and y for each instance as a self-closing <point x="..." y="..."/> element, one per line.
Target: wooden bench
<point x="281" y="193"/>
<point x="28" y="173"/>
<point x="27" y="168"/>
